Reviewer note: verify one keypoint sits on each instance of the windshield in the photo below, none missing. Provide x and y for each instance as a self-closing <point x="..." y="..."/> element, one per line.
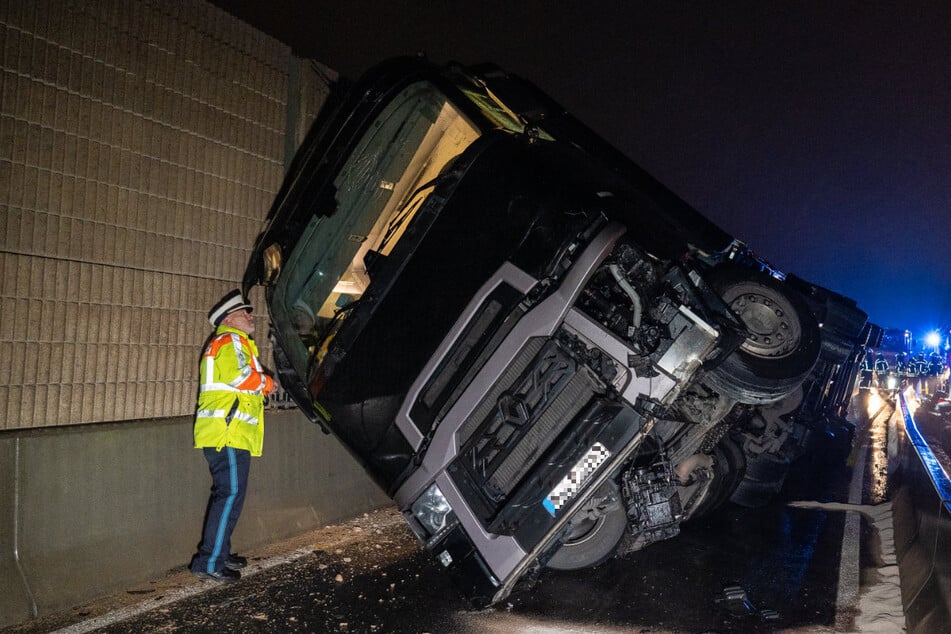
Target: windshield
<point x="380" y="187"/>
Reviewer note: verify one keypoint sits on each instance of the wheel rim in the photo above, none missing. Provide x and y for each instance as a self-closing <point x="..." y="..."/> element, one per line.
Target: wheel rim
<point x="772" y="323"/>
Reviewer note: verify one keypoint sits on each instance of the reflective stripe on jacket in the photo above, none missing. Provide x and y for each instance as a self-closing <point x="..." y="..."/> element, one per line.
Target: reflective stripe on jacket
<point x="231" y="380"/>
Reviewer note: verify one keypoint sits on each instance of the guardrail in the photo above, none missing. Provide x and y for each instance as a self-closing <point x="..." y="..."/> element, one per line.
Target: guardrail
<point x="922" y="521"/>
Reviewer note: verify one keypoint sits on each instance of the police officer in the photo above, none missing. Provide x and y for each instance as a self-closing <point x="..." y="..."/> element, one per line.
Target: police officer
<point x="229" y="429"/>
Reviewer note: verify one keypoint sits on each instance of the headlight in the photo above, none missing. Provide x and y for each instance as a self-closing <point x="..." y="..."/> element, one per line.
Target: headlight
<point x="892" y="382"/>
<point x="272" y="264"/>
<point x="432" y="510"/>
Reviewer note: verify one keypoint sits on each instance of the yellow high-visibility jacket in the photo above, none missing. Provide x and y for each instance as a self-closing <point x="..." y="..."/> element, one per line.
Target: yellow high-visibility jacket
<point x="231" y="395"/>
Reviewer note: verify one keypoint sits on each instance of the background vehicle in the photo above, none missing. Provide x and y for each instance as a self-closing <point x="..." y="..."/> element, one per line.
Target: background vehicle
<point x="534" y="347"/>
<point x="939" y="403"/>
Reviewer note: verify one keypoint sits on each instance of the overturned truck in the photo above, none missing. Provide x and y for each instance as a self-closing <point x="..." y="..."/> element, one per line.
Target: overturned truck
<point x="539" y="352"/>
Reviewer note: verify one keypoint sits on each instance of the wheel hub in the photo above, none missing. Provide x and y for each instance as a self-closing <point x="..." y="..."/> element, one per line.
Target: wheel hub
<point x="770" y="320"/>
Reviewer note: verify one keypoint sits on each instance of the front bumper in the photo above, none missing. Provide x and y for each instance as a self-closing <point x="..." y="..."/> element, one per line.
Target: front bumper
<point x="467" y="568"/>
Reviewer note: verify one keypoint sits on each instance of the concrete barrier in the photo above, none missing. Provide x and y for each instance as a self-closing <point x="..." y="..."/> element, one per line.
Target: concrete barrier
<point x="922" y="521"/>
<point x="90" y="510"/>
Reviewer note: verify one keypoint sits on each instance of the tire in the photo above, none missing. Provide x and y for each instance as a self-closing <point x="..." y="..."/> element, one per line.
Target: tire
<point x="591" y="542"/>
<point x="835" y="349"/>
<point x="729" y="468"/>
<point x="767" y="467"/>
<point x="844" y="318"/>
<point x="783" y="339"/>
<point x="765" y="476"/>
<point x="752" y="494"/>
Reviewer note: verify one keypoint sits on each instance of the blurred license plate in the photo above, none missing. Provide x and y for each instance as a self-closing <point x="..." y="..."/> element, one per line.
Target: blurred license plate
<point x="572" y="483"/>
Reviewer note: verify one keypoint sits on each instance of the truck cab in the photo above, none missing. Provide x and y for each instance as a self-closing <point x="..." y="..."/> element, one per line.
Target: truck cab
<point x="543" y="355"/>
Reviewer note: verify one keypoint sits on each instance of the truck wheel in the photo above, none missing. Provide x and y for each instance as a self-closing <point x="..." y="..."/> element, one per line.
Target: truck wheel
<point x="591" y="541"/>
<point x="729" y="468"/>
<point x="767" y="467"/>
<point x="765" y="476"/>
<point x="783" y="339"/>
<point x="753" y="494"/>
<point x="844" y="319"/>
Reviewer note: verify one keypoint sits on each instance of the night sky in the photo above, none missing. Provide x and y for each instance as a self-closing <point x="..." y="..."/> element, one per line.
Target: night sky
<point x="818" y="132"/>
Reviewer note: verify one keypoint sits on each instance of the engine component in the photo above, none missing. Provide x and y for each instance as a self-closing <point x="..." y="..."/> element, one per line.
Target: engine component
<point x="618" y="296"/>
<point x="635" y="298"/>
<point x="653" y="504"/>
<point x="698" y="462"/>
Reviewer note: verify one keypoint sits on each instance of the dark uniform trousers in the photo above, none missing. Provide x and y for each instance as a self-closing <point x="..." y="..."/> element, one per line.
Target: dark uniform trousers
<point x="229" y="477"/>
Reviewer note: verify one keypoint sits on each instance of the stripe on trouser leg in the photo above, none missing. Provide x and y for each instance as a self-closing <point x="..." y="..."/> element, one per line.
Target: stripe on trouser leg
<point x="223" y="521"/>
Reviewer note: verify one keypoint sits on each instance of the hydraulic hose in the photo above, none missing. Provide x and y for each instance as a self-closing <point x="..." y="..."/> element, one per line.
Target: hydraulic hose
<point x="631" y="292"/>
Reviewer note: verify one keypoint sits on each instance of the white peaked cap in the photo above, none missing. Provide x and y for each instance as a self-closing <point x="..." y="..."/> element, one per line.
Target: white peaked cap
<point x="231" y="302"/>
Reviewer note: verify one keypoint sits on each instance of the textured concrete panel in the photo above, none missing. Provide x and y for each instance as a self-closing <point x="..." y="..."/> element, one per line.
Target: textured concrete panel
<point x="141" y="144"/>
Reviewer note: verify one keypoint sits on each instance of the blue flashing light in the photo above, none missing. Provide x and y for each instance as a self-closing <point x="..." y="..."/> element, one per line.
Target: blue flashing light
<point x="933" y="339"/>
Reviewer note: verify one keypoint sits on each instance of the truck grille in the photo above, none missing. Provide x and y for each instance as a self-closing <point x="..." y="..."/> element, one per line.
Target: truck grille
<point x="495" y="317"/>
<point x="531" y="404"/>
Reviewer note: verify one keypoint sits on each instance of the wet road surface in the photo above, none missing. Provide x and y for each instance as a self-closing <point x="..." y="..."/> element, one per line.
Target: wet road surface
<point x="785" y="558"/>
<point x="371" y="576"/>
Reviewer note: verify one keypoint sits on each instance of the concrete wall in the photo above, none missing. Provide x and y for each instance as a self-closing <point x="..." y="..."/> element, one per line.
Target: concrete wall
<point x="96" y="509"/>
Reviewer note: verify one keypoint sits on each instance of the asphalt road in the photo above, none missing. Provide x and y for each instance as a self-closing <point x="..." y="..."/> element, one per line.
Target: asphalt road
<point x="785" y="558"/>
<point x="371" y="576"/>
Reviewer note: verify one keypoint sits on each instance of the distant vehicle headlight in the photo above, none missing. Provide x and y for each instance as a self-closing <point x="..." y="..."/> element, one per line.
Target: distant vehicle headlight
<point x="432" y="510"/>
<point x="892" y="382"/>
